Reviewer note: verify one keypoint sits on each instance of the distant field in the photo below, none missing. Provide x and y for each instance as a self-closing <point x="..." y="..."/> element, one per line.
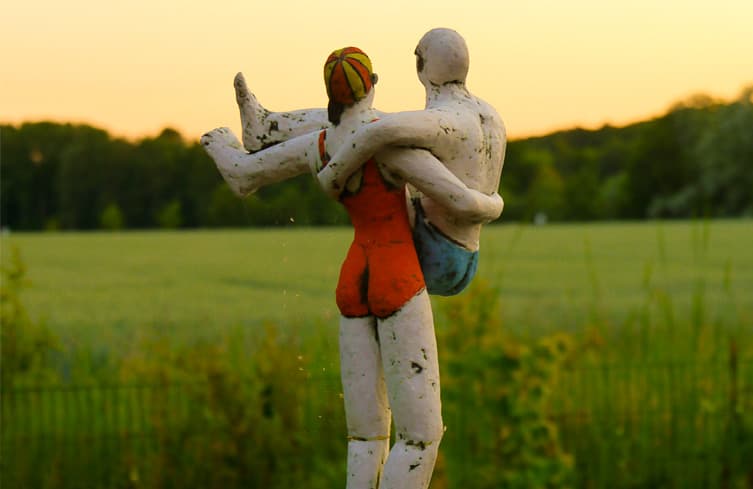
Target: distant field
<point x="101" y="288"/>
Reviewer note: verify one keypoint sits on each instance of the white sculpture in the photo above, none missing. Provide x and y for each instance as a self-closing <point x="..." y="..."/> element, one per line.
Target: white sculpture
<point x="387" y="342"/>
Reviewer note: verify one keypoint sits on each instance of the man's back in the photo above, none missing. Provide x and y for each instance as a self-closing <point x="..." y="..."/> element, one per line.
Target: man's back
<point x="471" y="143"/>
<point x="474" y="140"/>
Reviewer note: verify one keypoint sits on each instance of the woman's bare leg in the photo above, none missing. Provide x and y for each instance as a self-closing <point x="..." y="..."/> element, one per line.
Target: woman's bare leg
<point x="411" y="370"/>
<point x="262" y="128"/>
<point x="246" y="172"/>
<point x="366" y="407"/>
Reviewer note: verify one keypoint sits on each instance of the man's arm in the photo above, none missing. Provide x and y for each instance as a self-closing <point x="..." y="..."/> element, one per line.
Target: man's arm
<point x="416" y="129"/>
<point x="246" y="172"/>
<point x="429" y="175"/>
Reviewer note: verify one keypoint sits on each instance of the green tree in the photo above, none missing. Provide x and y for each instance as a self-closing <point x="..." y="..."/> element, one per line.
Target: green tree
<point x="724" y="154"/>
<point x="111" y="217"/>
<point x="581" y="194"/>
<point x="170" y="216"/>
<point x="546" y="192"/>
<point x="82" y="170"/>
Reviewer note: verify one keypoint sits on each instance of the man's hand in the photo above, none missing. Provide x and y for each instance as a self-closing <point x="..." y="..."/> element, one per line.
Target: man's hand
<point x="327" y="177"/>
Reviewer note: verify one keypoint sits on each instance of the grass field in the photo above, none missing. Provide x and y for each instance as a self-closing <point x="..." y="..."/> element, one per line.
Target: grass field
<point x="100" y="288"/>
<point x="657" y="390"/>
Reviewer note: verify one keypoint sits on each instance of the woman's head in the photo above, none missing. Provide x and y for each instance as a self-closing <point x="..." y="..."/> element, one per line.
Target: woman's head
<point x="349" y="78"/>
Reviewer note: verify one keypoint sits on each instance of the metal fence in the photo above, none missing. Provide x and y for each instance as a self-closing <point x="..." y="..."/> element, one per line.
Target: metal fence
<point x="667" y="425"/>
<point x="661" y="425"/>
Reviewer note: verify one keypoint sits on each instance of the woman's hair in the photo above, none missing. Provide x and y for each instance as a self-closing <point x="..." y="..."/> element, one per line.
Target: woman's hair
<point x="348" y="77"/>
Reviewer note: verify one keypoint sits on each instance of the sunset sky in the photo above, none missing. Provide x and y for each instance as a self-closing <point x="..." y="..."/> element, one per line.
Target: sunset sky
<point x="136" y="67"/>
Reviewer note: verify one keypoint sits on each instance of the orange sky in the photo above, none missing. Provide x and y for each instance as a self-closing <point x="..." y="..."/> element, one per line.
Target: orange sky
<point x="544" y="64"/>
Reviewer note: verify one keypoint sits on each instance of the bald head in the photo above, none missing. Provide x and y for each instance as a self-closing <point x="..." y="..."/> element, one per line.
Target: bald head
<point x="442" y="57"/>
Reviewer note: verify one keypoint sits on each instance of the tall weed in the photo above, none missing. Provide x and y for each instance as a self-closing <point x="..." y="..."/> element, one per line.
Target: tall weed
<point x="497" y="390"/>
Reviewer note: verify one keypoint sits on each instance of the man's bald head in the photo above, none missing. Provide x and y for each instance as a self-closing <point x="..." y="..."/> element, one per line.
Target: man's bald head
<point x="442" y="57"/>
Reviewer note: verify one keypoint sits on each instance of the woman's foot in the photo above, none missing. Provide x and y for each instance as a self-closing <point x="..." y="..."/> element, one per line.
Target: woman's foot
<point x="228" y="154"/>
<point x="253" y="115"/>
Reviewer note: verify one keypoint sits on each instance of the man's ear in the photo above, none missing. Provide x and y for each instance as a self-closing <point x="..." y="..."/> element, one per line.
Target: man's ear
<point x="374" y="78"/>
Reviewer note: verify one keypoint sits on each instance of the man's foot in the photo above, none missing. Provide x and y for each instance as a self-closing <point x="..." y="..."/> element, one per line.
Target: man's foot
<point x="253" y="116"/>
<point x="228" y="154"/>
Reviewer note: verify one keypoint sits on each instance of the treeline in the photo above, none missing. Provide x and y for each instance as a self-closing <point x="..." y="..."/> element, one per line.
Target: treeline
<point x="63" y="176"/>
<point x="696" y="160"/>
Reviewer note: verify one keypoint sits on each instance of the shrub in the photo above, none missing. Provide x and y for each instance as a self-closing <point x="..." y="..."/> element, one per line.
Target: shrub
<point x="497" y="390"/>
<point x="26" y="344"/>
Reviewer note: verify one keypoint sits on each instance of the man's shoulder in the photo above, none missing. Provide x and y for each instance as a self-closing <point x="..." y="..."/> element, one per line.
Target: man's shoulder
<point x="487" y="108"/>
<point x="489" y="116"/>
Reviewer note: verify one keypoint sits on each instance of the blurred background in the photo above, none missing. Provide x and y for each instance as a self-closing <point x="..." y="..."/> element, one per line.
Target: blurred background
<point x="157" y="331"/>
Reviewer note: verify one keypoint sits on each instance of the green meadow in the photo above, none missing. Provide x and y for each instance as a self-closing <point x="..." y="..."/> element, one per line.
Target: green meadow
<point x="610" y="355"/>
<point x="98" y="289"/>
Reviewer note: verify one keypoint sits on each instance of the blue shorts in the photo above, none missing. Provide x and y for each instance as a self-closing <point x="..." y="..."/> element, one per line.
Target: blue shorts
<point x="447" y="266"/>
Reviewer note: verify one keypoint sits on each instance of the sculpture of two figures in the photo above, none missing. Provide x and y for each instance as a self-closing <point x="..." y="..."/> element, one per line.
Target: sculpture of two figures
<point x="418" y="186"/>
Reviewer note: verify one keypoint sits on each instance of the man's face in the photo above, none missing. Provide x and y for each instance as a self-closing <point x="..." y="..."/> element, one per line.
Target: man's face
<point x="419" y="61"/>
<point x="421" y="66"/>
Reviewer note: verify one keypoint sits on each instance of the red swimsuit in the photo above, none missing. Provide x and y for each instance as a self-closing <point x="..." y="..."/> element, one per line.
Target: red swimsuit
<point x="381" y="271"/>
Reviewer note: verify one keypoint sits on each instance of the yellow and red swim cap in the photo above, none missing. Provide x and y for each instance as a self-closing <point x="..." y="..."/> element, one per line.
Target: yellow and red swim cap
<point x="347" y="75"/>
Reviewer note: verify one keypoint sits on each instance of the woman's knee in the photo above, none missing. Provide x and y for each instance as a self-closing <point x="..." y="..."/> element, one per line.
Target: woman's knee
<point x="421" y="430"/>
<point x="367" y="409"/>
